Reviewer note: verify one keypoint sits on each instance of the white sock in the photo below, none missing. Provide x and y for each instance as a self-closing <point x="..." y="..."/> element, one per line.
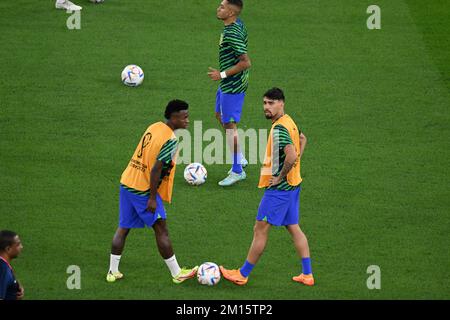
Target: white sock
<point x="114" y="263"/>
<point x="173" y="266"/>
<point x="60" y="1"/>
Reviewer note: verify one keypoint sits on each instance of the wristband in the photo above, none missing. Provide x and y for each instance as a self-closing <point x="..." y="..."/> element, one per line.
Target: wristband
<point x="223" y="74"/>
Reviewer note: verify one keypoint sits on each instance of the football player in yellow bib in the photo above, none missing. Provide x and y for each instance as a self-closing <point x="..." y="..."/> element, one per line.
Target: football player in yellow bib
<point x="146" y="182"/>
<point x="281" y="179"/>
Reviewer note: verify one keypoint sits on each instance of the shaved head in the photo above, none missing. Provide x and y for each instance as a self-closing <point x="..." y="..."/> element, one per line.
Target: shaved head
<point x="236" y="5"/>
<point x="229" y="9"/>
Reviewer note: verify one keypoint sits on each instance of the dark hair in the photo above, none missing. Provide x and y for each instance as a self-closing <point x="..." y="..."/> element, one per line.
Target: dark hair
<point x="274" y="94"/>
<point x="6" y="239"/>
<point x="237" y="3"/>
<point x="175" y="106"/>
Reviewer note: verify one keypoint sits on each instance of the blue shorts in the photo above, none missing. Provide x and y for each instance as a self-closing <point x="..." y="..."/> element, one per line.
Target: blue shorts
<point x="229" y="105"/>
<point x="280" y="208"/>
<point x="133" y="210"/>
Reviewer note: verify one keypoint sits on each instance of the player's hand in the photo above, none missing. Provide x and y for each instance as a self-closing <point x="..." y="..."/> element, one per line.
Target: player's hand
<point x="151" y="205"/>
<point x="20" y="293"/>
<point x="274" y="181"/>
<point x="214" y="74"/>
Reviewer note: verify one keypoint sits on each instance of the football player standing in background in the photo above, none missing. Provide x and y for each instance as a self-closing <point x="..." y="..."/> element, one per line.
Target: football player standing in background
<point x="233" y="75"/>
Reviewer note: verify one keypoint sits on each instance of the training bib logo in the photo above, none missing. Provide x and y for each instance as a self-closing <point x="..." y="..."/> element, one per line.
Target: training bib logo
<point x="145" y="141"/>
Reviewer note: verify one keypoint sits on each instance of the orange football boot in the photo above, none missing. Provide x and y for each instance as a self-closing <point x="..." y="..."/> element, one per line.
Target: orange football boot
<point x="234" y="276"/>
<point x="306" y="279"/>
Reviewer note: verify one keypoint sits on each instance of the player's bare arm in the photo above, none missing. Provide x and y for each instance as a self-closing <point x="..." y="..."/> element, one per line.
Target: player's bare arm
<point x="155" y="174"/>
<point x="243" y="64"/>
<point x="291" y="158"/>
<point x="303" y="142"/>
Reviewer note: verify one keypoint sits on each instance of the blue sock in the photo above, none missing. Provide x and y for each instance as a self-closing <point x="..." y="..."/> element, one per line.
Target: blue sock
<point x="237" y="167"/>
<point x="306" y="265"/>
<point x="246" y="268"/>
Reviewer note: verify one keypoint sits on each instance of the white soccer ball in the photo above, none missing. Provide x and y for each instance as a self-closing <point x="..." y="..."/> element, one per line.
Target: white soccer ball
<point x="132" y="75"/>
<point x="96" y="1"/>
<point x="208" y="274"/>
<point x="195" y="174"/>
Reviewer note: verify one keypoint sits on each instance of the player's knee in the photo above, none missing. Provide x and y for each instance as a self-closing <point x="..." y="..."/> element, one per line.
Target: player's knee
<point x="296" y="232"/>
<point x="161" y="230"/>
<point x="260" y="230"/>
<point x="230" y="126"/>
<point x="122" y="232"/>
<point x="293" y="228"/>
<point x="164" y="234"/>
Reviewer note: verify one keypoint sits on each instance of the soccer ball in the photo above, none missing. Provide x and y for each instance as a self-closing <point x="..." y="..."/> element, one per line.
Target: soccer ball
<point x="132" y="75"/>
<point x="208" y="274"/>
<point x="96" y="1"/>
<point x="195" y="174"/>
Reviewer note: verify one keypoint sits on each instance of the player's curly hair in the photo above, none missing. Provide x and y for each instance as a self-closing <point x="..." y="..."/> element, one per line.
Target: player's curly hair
<point x="6" y="239"/>
<point x="274" y="94"/>
<point x="175" y="106"/>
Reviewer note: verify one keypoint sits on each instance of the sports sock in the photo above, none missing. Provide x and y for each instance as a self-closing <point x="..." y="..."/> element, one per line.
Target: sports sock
<point x="114" y="261"/>
<point x="246" y="268"/>
<point x="60" y="1"/>
<point x="173" y="266"/>
<point x="237" y="167"/>
<point x="306" y="265"/>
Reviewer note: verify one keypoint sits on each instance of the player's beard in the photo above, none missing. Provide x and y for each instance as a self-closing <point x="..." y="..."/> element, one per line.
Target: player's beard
<point x="268" y="115"/>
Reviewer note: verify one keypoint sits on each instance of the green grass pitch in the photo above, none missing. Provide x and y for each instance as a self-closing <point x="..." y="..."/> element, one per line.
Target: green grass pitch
<point x="374" y="105"/>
